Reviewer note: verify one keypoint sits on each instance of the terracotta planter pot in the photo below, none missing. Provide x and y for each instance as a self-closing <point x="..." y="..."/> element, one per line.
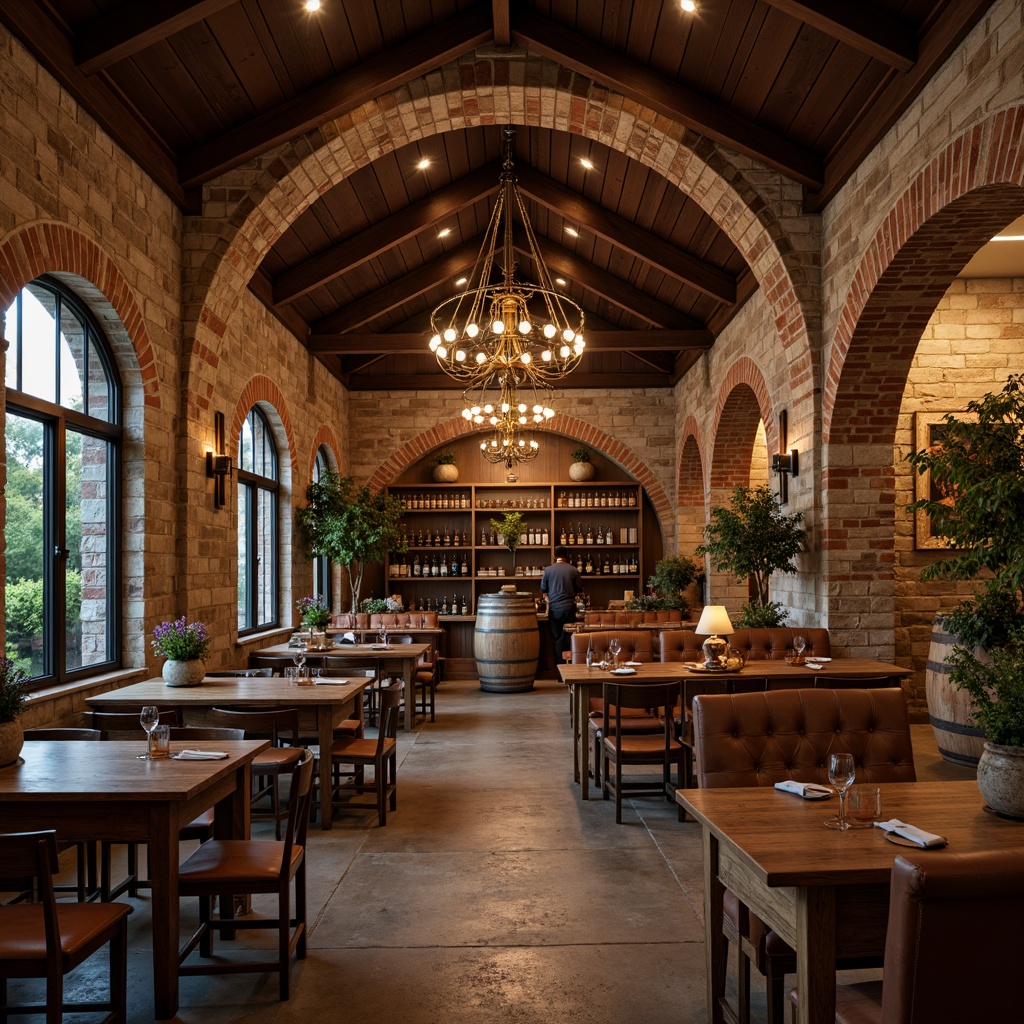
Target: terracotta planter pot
<point x="12" y="738"/>
<point x="183" y="673"/>
<point x="1001" y="779"/>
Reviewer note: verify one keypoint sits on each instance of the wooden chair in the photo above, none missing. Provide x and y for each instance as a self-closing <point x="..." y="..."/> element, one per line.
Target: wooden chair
<point x="242" y="673"/>
<point x="349" y="668"/>
<point x="621" y="748"/>
<point x="381" y="754"/>
<point x="281" y="727"/>
<point x="424" y="681"/>
<point x="245" y="867"/>
<point x="49" y="940"/>
<point x="127" y="722"/>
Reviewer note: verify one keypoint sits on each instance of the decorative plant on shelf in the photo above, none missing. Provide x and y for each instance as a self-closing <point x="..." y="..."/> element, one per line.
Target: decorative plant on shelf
<point x="581" y="455"/>
<point x="582" y="468"/>
<point x="446" y="458"/>
<point x="671" y="577"/>
<point x="446" y="472"/>
<point x="753" y="537"/>
<point x="351" y="525"/>
<point x="511" y="525"/>
<point x="978" y="473"/>
<point x="374" y="605"/>
<point x="13" y="697"/>
<point x="314" y="611"/>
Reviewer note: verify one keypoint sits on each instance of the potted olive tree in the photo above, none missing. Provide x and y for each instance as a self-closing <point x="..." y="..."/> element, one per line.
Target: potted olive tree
<point x="12" y="702"/>
<point x="978" y="475"/>
<point x="670" y="579"/>
<point x="351" y="525"/>
<point x="754" y="538"/>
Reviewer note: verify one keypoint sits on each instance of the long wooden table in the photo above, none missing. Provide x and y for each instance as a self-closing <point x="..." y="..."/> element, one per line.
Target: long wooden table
<point x="399" y="658"/>
<point x="824" y="892"/>
<point x="102" y="791"/>
<point x="331" y="700"/>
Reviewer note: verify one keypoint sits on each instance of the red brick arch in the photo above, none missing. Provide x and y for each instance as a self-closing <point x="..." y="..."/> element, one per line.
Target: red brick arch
<point x="743" y="402"/>
<point x="47" y="248"/>
<point x="414" y="450"/>
<point x="324" y="436"/>
<point x="690" y="466"/>
<point x="261" y="389"/>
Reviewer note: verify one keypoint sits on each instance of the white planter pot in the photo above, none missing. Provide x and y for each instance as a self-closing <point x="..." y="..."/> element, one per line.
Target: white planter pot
<point x="1001" y="779"/>
<point x="183" y="673"/>
<point x="446" y="473"/>
<point x="581" y="471"/>
<point x="12" y="737"/>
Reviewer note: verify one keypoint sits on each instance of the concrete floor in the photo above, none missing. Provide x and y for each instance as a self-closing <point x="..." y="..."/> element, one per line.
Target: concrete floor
<point x="493" y="894"/>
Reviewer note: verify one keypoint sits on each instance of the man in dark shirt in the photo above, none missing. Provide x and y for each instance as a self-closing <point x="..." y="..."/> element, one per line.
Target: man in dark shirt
<point x="561" y="583"/>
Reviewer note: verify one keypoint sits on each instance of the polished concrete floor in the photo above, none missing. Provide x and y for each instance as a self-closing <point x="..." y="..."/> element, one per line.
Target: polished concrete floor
<point x="493" y="894"/>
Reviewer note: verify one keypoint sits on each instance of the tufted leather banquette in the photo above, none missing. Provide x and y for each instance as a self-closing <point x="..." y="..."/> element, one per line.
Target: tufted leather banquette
<point x="758" y="739"/>
<point x="393" y="620"/>
<point x="753" y="644"/>
<point x="621" y="619"/>
<point x="635" y="645"/>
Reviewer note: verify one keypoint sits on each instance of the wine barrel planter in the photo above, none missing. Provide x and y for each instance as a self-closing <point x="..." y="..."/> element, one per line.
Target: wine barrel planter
<point x="506" y="643"/>
<point x="949" y="708"/>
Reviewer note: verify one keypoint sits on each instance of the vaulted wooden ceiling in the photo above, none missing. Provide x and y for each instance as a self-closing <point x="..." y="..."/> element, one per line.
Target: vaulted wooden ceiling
<point x="192" y="88"/>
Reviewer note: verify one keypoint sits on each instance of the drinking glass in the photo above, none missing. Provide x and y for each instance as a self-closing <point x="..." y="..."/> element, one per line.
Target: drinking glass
<point x="299" y="658"/>
<point x="841" y="774"/>
<point x="149" y="718"/>
<point x="614" y="647"/>
<point x="799" y="643"/>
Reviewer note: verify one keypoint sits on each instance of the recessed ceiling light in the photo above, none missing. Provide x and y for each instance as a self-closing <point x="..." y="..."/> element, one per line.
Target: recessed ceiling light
<point x="444" y="232"/>
<point x="423" y="164"/>
<point x="573" y="232"/>
<point x="312" y="5"/>
<point x="588" y="164"/>
<point x="560" y="281"/>
<point x="461" y="280"/>
<point x="688" y="5"/>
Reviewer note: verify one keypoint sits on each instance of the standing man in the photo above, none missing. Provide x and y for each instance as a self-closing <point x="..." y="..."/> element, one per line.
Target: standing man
<point x="561" y="583"/>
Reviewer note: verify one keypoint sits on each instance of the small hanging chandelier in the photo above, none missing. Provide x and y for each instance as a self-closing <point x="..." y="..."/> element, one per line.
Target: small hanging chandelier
<point x="489" y="330"/>
<point x="512" y="441"/>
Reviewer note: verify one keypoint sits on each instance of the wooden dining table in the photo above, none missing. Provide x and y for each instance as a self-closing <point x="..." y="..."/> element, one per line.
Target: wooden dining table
<point x="102" y="791"/>
<point x="396" y="658"/>
<point x="330" y="699"/>
<point x="826" y="893"/>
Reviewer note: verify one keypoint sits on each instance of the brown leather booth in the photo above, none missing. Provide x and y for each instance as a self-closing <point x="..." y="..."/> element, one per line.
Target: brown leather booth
<point x="626" y="619"/>
<point x="393" y="620"/>
<point x="635" y="645"/>
<point x="753" y="644"/>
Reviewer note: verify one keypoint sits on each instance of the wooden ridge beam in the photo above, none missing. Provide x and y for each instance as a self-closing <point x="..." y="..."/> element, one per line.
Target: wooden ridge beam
<point x="623" y="234"/>
<point x="637" y="82"/>
<point x="867" y="30"/>
<point x="340" y="95"/>
<point x="131" y="28"/>
<point x="442" y="382"/>
<point x="343" y="257"/>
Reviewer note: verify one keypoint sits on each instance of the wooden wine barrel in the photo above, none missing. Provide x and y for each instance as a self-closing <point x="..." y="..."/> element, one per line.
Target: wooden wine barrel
<point x="949" y="708"/>
<point x="506" y="642"/>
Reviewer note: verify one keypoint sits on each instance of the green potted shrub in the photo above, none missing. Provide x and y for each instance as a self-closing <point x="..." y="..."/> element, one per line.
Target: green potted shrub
<point x="754" y="538"/>
<point x="670" y="579"/>
<point x="13" y="697"/>
<point x="445" y="471"/>
<point x="582" y="469"/>
<point x="978" y="475"/>
<point x="511" y="526"/>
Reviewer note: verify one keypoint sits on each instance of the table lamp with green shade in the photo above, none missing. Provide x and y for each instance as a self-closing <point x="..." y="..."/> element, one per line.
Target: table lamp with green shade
<point x="714" y="621"/>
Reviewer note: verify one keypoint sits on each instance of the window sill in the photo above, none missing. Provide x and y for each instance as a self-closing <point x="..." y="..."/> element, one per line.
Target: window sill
<point x="64" y="703"/>
<point x="265" y="637"/>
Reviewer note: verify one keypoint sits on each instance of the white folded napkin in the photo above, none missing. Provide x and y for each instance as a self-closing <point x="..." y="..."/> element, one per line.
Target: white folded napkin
<point x="814" y="664"/>
<point x="915" y="835"/>
<point x="320" y="681"/>
<point x="808" y="790"/>
<point x="199" y="755"/>
<point x="346" y="638"/>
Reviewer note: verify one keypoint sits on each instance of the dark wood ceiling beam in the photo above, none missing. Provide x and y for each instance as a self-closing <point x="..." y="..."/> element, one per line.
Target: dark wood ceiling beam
<point x="442" y="382"/>
<point x="388" y="297"/>
<point x="131" y="28"/>
<point x="339" y="259"/>
<point x="615" y="290"/>
<point x="623" y="234"/>
<point x="867" y="30"/>
<point x="943" y="38"/>
<point x="48" y="43"/>
<point x="502" y="23"/>
<point x="339" y="96"/>
<point x="597" y="341"/>
<point x="639" y="83"/>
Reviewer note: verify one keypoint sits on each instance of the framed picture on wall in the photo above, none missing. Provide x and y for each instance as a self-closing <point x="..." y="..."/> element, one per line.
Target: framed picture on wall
<point x="928" y="432"/>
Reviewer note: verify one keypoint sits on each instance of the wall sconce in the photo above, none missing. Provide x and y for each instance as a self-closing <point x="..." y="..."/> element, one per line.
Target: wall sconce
<point x="786" y="465"/>
<point x="218" y="465"/>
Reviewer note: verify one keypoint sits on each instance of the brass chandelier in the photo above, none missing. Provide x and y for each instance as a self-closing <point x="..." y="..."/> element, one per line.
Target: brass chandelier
<point x="512" y="441"/>
<point x="500" y="332"/>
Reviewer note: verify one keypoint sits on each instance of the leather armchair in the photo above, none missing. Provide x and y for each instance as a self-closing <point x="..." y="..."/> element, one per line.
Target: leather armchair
<point x="753" y="644"/>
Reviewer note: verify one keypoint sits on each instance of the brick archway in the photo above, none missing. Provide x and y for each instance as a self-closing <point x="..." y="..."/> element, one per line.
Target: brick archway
<point x="690" y="511"/>
<point x="260" y="389"/>
<point x="569" y="426"/>
<point x="967" y="193"/>
<point x="324" y="436"/>
<point x="743" y="402"/>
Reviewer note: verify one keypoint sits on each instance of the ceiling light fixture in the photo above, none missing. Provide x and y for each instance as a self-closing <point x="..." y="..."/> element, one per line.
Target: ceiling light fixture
<point x="688" y="5"/>
<point x="588" y="164"/>
<point x="423" y="164"/>
<point x="573" y="232"/>
<point x="312" y="5"/>
<point x="510" y="417"/>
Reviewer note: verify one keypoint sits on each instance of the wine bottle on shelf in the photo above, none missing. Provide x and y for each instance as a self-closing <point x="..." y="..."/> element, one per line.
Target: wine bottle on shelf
<point x="444" y="607"/>
<point x="600" y="534"/>
<point x="417" y="569"/>
<point x="447" y="538"/>
<point x="465" y="606"/>
<point x="465" y="565"/>
<point x="561" y="538"/>
<point x="579" y="533"/>
<point x="443" y="568"/>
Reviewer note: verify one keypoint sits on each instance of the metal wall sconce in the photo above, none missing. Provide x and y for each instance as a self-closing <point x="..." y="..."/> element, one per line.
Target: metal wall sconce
<point x="786" y="465"/>
<point x="218" y="465"/>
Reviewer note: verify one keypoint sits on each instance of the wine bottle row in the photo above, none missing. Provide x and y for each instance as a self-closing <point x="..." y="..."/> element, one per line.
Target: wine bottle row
<point x="604" y="535"/>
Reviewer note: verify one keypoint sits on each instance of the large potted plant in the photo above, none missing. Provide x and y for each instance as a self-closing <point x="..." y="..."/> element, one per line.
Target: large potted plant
<point x="351" y="525"/>
<point x="13" y="696"/>
<point x="978" y="475"/>
<point x="753" y="538"/>
<point x="667" y="584"/>
<point x="184" y="645"/>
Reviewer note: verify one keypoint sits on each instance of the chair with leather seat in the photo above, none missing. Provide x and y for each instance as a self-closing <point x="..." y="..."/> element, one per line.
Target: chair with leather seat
<point x="936" y="898"/>
<point x="127" y="724"/>
<point x="424" y="681"/>
<point x="621" y="748"/>
<point x="281" y="727"/>
<point x="249" y="867"/>
<point x="50" y="939"/>
<point x="758" y="739"/>
<point x="380" y="753"/>
<point x="366" y="709"/>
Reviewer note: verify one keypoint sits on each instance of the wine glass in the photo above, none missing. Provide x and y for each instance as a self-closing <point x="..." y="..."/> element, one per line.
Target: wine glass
<point x="841" y="774"/>
<point x="799" y="643"/>
<point x="149" y="718"/>
<point x="614" y="647"/>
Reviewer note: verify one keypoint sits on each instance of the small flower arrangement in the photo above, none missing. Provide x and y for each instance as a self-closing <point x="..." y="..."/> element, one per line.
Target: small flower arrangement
<point x="13" y="695"/>
<point x="314" y="611"/>
<point x="373" y="605"/>
<point x="181" y="640"/>
<point x="394" y="604"/>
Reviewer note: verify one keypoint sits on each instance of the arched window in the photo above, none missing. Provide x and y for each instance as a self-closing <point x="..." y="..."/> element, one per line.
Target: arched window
<point x="257" y="524"/>
<point x="63" y="441"/>
<point x="321" y="563"/>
